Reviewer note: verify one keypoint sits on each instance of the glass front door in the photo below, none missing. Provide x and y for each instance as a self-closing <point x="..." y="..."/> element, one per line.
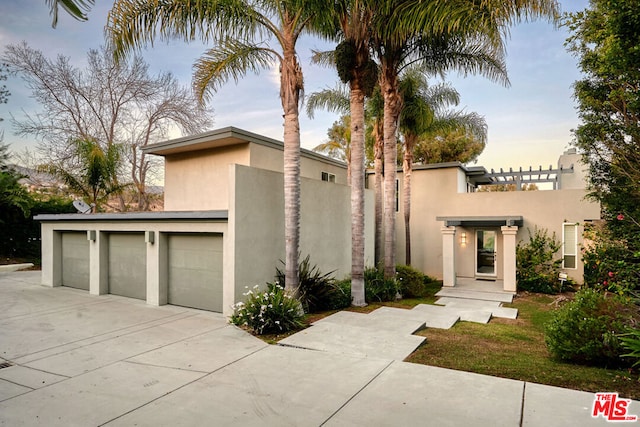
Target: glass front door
<point x="486" y="253"/>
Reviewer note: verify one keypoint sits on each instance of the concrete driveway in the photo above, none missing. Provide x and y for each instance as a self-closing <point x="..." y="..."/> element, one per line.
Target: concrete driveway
<point x="72" y="359"/>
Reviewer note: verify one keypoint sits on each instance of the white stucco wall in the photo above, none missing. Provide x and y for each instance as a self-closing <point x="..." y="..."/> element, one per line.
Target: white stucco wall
<point x="256" y="226"/>
<point x="435" y="193"/>
<point x="199" y="180"/>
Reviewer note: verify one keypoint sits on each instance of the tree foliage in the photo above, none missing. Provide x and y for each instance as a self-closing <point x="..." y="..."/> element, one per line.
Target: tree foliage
<point x="605" y="40"/>
<point x="93" y="175"/>
<point x="77" y="9"/>
<point x="107" y="102"/>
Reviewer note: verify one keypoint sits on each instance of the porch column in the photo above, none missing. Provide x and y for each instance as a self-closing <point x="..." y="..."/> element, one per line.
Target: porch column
<point x="509" y="257"/>
<point x="448" y="256"/>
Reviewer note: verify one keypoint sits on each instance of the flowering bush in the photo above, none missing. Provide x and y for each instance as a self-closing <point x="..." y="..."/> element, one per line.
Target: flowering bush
<point x="611" y="263"/>
<point x="268" y="312"/>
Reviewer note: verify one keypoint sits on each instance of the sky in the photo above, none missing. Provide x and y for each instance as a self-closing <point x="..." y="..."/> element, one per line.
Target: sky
<point x="529" y="122"/>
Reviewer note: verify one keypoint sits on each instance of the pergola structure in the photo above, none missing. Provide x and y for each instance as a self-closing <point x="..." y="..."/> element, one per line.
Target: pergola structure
<point x="518" y="177"/>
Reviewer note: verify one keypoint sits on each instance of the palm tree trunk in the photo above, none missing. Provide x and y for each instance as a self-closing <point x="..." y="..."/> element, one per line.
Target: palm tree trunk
<point x="378" y="149"/>
<point x="357" y="197"/>
<point x="392" y="107"/>
<point x="407" y="167"/>
<point x="290" y="86"/>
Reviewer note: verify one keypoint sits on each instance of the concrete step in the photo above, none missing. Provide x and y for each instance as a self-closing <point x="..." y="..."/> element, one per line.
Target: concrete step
<point x="437" y="316"/>
<point x="478" y="295"/>
<point x="397" y="323"/>
<point x="463" y="304"/>
<point x="354" y="340"/>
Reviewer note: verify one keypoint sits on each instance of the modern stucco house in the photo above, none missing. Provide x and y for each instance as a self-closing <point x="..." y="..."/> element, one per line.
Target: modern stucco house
<point x="223" y="225"/>
<point x="460" y="233"/>
<point x="222" y="228"/>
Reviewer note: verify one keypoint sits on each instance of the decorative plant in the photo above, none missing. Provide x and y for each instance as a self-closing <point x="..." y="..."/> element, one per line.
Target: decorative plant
<point x="588" y="329"/>
<point x="316" y="291"/>
<point x="267" y="312"/>
<point x="537" y="264"/>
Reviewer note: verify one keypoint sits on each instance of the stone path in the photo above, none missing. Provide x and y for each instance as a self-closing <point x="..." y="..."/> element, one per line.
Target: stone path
<point x="350" y="333"/>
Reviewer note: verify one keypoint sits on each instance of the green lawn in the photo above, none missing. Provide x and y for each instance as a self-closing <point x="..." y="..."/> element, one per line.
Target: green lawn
<point x="515" y="349"/>
<point x="505" y="348"/>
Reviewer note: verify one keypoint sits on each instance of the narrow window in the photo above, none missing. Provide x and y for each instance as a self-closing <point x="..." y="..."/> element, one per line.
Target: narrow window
<point x="569" y="245"/>
<point x="328" y="177"/>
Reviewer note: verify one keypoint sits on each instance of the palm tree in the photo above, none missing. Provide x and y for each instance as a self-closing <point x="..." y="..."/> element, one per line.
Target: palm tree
<point x="440" y="36"/>
<point x="76" y="8"/>
<point x="424" y="113"/>
<point x="237" y="29"/>
<point x="338" y="145"/>
<point x="351" y="22"/>
<point x="95" y="176"/>
<point x="375" y="112"/>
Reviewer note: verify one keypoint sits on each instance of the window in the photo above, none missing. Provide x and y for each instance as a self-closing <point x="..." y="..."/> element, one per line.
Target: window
<point x="329" y="177"/>
<point x="569" y="245"/>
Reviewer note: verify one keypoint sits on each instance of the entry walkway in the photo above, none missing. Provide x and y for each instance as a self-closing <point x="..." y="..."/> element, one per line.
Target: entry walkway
<point x="71" y="359"/>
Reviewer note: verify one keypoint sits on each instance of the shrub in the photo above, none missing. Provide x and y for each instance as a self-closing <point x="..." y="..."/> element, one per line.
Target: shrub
<point x="587" y="330"/>
<point x="377" y="288"/>
<point x="610" y="263"/>
<point x="412" y="283"/>
<point x="316" y="291"/>
<point x="267" y="312"/>
<point x="537" y="270"/>
<point x="631" y="343"/>
<point x="341" y="296"/>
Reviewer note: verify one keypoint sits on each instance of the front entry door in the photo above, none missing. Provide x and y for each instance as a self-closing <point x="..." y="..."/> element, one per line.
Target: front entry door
<point x="486" y="254"/>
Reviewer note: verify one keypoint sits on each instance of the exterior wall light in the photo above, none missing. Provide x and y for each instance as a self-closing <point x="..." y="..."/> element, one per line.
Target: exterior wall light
<point x="149" y="237"/>
<point x="463" y="239"/>
<point x="91" y="235"/>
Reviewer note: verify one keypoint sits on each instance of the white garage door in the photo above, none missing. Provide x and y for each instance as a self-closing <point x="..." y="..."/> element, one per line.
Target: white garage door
<point x="195" y="270"/>
<point x="128" y="265"/>
<point x="75" y="259"/>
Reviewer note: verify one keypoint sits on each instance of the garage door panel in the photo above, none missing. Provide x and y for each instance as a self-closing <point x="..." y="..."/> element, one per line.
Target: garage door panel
<point x="75" y="260"/>
<point x="195" y="271"/>
<point x="128" y="265"/>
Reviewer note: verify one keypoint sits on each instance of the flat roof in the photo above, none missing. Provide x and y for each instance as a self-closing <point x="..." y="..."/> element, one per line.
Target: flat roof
<point x="225" y="137"/>
<point x="139" y="216"/>
<point x="482" y="221"/>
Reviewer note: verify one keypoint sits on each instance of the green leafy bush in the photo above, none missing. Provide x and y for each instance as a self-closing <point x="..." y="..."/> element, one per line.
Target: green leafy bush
<point x="268" y="312"/>
<point x="537" y="266"/>
<point x="341" y="297"/>
<point x="316" y="291"/>
<point x="377" y="288"/>
<point x="611" y="263"/>
<point x="631" y="343"/>
<point x="587" y="330"/>
<point x="412" y="283"/>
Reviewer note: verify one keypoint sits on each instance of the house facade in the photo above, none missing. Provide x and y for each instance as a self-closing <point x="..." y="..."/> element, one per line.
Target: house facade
<point x="459" y="232"/>
<point x="222" y="229"/>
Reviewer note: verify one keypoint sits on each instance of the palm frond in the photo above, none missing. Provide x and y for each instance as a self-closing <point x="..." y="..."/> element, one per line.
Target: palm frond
<point x="76" y="8"/>
<point x="232" y="59"/>
<point x="131" y="24"/>
<point x="325" y="58"/>
<point x="334" y="100"/>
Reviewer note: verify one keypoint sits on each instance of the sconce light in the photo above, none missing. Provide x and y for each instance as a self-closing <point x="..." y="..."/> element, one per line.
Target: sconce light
<point x="149" y="237"/>
<point x="463" y="239"/>
<point x="91" y="235"/>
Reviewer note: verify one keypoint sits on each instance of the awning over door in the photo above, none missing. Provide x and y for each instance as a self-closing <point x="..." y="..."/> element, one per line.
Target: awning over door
<point x="481" y="221"/>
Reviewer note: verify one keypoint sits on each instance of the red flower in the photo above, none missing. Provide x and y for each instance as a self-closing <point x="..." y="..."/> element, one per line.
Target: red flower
<point x="605" y="283"/>
<point x="611" y="274"/>
<point x="620" y="217"/>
